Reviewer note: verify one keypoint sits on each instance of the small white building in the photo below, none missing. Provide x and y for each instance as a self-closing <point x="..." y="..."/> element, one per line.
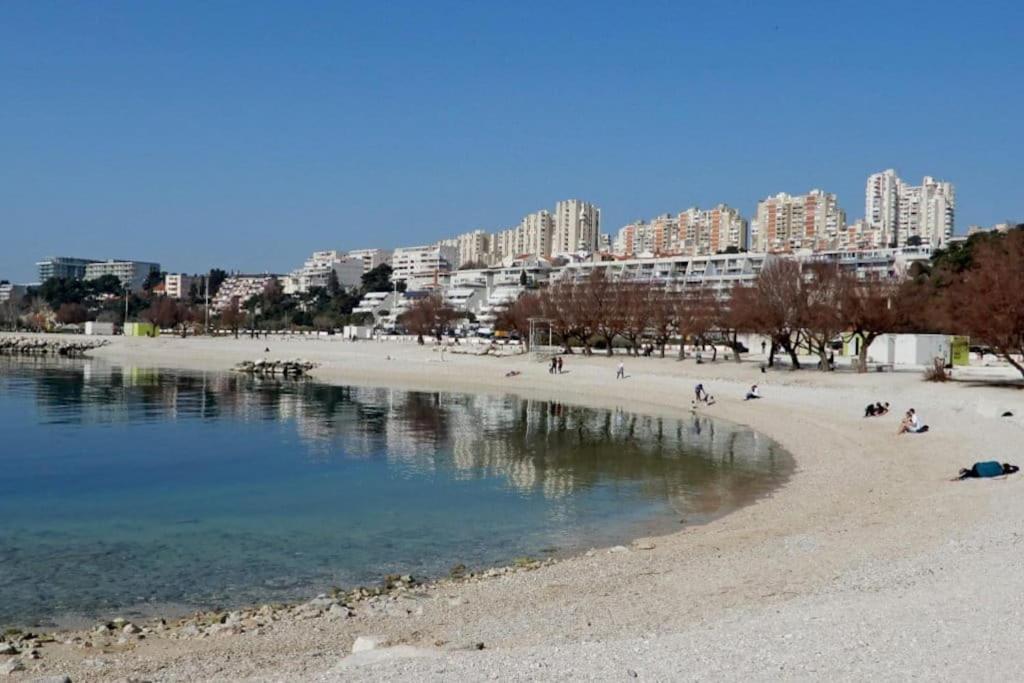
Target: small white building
<point x="95" y="328"/>
<point x="910" y="350"/>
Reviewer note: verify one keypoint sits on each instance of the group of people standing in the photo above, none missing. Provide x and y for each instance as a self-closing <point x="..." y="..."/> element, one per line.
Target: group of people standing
<point x="556" y="366"/>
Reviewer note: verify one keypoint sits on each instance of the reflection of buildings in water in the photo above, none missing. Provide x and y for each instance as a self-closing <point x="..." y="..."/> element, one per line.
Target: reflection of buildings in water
<point x="538" y="447"/>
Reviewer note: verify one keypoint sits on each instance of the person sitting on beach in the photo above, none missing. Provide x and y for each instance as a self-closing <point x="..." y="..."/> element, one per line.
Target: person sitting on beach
<point x="710" y="400"/>
<point x="876" y="409"/>
<point x="912" y="424"/>
<point x="752" y="394"/>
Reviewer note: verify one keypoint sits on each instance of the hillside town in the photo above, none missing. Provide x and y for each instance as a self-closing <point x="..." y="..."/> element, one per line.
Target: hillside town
<point x="487" y="284"/>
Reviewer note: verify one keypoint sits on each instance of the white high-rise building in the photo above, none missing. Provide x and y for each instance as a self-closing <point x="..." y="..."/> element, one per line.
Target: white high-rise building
<point x="881" y="205"/>
<point x="898" y="211"/>
<point x="577" y="227"/>
<point x="473" y="247"/>
<point x="532" y="237"/>
<point x="926" y="212"/>
<point x="810" y="221"/>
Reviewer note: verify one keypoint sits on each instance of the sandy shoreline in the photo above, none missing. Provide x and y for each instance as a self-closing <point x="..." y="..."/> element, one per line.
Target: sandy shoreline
<point x="867" y="562"/>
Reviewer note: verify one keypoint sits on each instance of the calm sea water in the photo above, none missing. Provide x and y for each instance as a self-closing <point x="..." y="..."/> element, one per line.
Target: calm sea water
<point x="126" y="488"/>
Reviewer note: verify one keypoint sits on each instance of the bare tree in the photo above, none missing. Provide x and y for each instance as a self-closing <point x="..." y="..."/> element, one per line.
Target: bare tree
<point x="72" y="314"/>
<point x="986" y="301"/>
<point x="820" y="295"/>
<point x="515" y="317"/>
<point x="778" y="306"/>
<point x="663" y="316"/>
<point x="870" y="308"/>
<point x="428" y="316"/>
<point x="636" y="301"/>
<point x="233" y="317"/>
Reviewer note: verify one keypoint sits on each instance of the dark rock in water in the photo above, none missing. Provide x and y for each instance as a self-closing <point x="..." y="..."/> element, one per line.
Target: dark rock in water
<point x="1008" y="413"/>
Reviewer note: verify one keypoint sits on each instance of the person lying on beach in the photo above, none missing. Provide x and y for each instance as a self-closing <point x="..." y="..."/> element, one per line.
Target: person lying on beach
<point x="990" y="468"/>
<point x="710" y="400"/>
<point x="752" y="394"/>
<point x="513" y="373"/>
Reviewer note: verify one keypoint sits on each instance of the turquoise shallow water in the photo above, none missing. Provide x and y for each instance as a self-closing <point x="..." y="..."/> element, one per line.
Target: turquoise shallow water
<point x="122" y="488"/>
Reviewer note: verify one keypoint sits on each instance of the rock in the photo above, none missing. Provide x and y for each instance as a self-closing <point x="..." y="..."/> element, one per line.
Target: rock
<point x="338" y="611"/>
<point x="456" y="602"/>
<point x="619" y="549"/>
<point x="119" y="622"/>
<point x="131" y="629"/>
<point x="385" y="654"/>
<point x="365" y="643"/>
<point x="644" y="545"/>
<point x="11" y="666"/>
<point x="224" y="630"/>
<point x="191" y="631"/>
<point x="8" y="649"/>
<point x="52" y="679"/>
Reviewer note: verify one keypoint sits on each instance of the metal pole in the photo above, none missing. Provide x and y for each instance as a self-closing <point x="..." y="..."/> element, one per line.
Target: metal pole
<point x="206" y="287"/>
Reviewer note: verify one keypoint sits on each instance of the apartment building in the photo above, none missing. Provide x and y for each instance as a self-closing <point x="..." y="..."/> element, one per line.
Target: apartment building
<point x="531" y="237"/>
<point x="473" y="247"/>
<point x="178" y="285"/>
<point x="577" y="227"/>
<point x="710" y="231"/>
<point x="926" y="213"/>
<point x="62" y="267"/>
<point x="898" y="212"/>
<point x="790" y="222"/>
<point x="240" y="288"/>
<point x="371" y="258"/>
<point x="423" y="264"/>
<point x="718" y="272"/>
<point x="317" y="269"/>
<point x="132" y="274"/>
<point x="10" y="292"/>
<point x="641" y="238"/>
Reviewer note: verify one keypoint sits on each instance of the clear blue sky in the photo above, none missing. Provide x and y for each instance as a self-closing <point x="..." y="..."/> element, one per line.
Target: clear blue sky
<point x="247" y="134"/>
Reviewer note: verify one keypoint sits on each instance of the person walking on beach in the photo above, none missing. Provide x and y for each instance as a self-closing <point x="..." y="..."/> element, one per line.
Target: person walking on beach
<point x="621" y="372"/>
<point x="554" y="364"/>
<point x="701" y="394"/>
<point x="559" y="365"/>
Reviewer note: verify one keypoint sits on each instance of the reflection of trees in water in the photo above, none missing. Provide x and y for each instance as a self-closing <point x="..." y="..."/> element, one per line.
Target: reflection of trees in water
<point x="536" y="446"/>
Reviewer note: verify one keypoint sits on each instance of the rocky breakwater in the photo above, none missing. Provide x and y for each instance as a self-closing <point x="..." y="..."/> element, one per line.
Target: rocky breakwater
<point x="269" y="368"/>
<point x="34" y="346"/>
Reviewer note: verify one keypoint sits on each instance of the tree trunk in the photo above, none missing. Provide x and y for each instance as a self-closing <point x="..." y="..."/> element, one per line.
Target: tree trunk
<point x="823" y="364"/>
<point x="788" y="347"/>
<point x="862" y="353"/>
<point x="1009" y="359"/>
<point x="771" y="354"/>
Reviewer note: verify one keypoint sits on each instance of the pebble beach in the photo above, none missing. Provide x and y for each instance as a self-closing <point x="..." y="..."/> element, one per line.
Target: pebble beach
<point x="869" y="562"/>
